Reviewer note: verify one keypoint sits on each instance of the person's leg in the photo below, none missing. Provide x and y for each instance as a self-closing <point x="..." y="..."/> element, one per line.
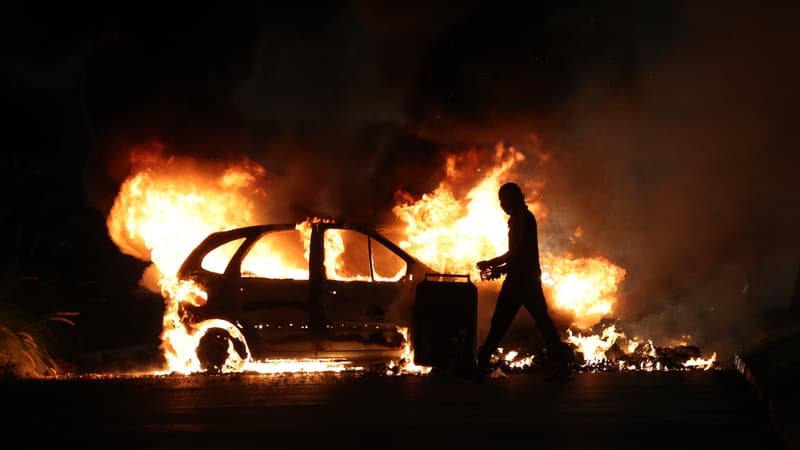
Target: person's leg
<point x="537" y="307"/>
<point x="504" y="313"/>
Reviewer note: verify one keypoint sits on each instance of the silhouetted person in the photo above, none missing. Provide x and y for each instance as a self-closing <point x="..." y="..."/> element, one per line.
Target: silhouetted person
<point x="522" y="285"/>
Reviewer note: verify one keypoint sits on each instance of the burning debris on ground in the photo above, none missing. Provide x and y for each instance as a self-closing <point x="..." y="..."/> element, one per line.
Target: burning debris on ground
<point x="666" y="359"/>
<point x="611" y="351"/>
<point x="607" y="347"/>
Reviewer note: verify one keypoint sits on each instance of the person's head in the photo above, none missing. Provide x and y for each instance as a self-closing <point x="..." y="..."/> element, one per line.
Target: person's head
<point x="511" y="198"/>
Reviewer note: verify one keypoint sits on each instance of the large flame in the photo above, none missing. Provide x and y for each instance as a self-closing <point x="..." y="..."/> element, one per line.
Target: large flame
<point x="452" y="234"/>
<point x="585" y="287"/>
<point x="161" y="213"/>
<point x="165" y="209"/>
<point x="168" y="205"/>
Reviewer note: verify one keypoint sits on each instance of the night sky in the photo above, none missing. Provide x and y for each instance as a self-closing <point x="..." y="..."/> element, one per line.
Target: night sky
<point x="671" y="129"/>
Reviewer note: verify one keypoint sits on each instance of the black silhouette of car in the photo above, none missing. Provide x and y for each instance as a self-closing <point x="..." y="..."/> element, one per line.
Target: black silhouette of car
<point x="322" y="288"/>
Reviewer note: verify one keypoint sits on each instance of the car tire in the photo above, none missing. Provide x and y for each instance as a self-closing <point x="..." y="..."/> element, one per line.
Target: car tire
<point x="212" y="350"/>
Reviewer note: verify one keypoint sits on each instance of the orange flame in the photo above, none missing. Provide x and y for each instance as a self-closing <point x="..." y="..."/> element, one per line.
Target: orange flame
<point x="167" y="206"/>
<point x="406" y="364"/>
<point x="164" y="210"/>
<point x="702" y="363"/>
<point x="585" y="287"/>
<point x="451" y="235"/>
<point x="161" y="213"/>
<point x="594" y="347"/>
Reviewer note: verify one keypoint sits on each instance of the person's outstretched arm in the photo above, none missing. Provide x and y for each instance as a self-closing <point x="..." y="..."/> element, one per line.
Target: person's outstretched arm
<point x="494" y="262"/>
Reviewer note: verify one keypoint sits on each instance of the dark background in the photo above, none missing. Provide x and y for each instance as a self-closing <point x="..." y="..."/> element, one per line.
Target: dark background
<point x="671" y="129"/>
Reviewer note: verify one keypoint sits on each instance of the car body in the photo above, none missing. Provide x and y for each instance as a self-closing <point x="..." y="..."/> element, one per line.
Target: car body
<point x="319" y="288"/>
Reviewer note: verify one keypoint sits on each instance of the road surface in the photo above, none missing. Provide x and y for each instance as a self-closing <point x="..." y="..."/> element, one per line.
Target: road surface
<point x="657" y="410"/>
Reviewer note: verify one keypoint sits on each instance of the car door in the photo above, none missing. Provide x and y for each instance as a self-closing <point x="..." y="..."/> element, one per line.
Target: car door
<point x="362" y="281"/>
<point x="273" y="293"/>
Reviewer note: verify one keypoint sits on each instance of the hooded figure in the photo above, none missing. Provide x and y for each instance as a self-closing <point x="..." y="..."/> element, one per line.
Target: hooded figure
<point x="522" y="285"/>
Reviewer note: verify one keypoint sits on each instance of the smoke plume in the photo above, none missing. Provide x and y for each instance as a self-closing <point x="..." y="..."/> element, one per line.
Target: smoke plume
<point x="668" y="126"/>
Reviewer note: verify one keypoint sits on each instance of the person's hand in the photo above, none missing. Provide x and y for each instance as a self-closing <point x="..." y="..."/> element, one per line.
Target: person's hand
<point x="488" y="270"/>
<point x="493" y="273"/>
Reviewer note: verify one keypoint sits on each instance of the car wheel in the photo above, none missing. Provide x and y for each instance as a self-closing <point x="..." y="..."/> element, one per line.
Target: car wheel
<point x="212" y="350"/>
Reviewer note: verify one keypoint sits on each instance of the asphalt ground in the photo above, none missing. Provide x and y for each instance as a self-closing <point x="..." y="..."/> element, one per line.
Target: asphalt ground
<point x="607" y="410"/>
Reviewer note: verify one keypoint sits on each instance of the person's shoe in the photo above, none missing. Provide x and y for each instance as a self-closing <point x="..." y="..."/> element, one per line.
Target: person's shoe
<point x="560" y="374"/>
<point x="479" y="373"/>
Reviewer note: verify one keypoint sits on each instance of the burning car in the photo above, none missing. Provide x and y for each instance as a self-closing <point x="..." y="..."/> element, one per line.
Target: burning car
<point x="320" y="288"/>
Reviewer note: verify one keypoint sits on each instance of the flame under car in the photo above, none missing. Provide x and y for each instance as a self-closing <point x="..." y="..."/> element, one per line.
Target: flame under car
<point x="316" y="289"/>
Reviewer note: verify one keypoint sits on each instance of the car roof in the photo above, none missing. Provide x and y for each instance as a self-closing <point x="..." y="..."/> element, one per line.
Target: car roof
<point x="218" y="238"/>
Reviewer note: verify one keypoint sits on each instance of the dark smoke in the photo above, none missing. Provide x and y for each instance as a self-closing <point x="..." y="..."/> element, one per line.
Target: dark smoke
<point x="670" y="125"/>
<point x="687" y="175"/>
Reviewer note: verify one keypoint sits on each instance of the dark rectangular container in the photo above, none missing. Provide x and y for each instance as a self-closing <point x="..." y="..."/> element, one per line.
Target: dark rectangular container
<point x="444" y="324"/>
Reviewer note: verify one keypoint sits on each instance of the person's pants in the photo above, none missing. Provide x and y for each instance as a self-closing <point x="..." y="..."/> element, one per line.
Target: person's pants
<point x="513" y="295"/>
